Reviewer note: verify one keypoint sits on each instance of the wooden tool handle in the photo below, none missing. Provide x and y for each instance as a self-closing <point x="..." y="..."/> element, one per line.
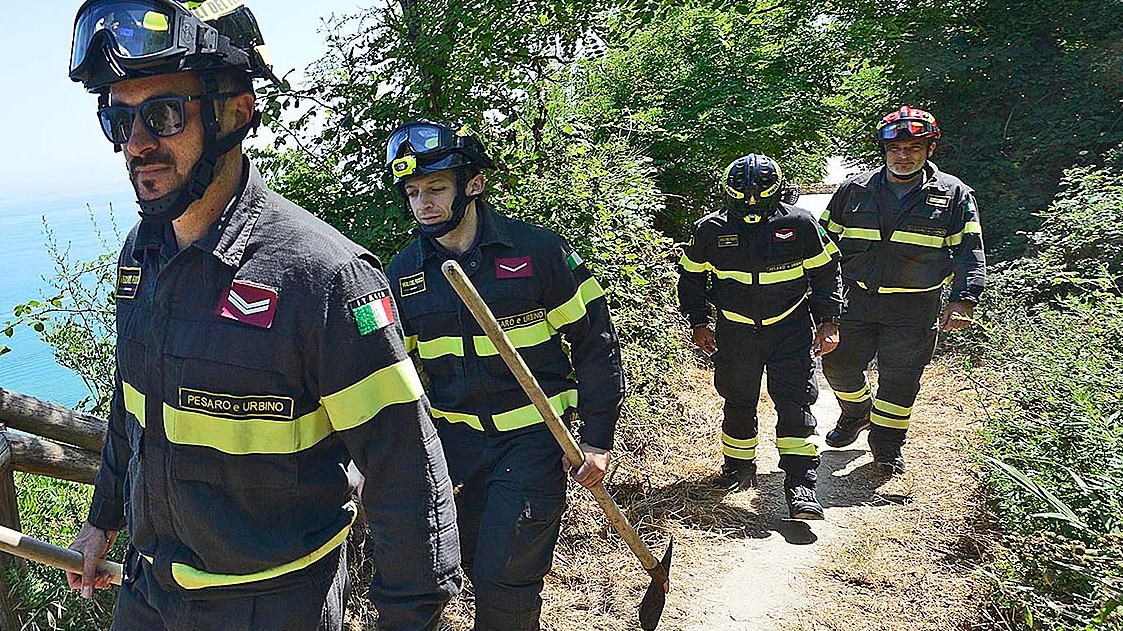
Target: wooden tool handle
<point x="21" y="545"/>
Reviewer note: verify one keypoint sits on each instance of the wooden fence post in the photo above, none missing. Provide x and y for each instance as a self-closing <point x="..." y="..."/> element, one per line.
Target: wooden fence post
<point x="9" y="516"/>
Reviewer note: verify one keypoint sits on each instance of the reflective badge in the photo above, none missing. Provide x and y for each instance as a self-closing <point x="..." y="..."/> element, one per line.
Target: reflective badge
<point x="514" y="267"/>
<point x="373" y="312"/>
<point x="786" y="235"/>
<point x="231" y="406"/>
<point x="727" y="241"/>
<point x="939" y="201"/>
<point x="410" y="285"/>
<point x="935" y="232"/>
<point x="128" y="281"/>
<point x="247" y="303"/>
<point x="522" y="319"/>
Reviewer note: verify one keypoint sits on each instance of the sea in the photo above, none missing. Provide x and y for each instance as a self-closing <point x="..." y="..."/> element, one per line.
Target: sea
<point x="86" y="225"/>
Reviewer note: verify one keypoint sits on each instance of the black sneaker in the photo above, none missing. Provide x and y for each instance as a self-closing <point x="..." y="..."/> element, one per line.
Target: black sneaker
<point x="802" y="503"/>
<point x="737" y="478"/>
<point x="888" y="458"/>
<point x="846" y="430"/>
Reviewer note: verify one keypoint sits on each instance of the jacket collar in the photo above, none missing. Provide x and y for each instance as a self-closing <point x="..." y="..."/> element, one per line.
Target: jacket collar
<point x="492" y="231"/>
<point x="932" y="178"/>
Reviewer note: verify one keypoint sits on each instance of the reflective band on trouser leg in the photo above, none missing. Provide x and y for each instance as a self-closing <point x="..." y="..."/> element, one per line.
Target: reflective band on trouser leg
<point x="861" y="396"/>
<point x="796" y="446"/>
<point x="191" y="578"/>
<point x="888" y="414"/>
<point x="741" y="449"/>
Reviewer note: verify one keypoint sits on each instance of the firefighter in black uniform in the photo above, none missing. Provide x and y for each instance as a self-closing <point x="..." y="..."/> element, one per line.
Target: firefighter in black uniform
<point x="508" y="470"/>
<point x="905" y="231"/>
<point x="258" y="352"/>
<point x="772" y="270"/>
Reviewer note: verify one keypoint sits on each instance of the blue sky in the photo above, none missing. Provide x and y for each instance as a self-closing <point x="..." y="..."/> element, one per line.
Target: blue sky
<point x="52" y="146"/>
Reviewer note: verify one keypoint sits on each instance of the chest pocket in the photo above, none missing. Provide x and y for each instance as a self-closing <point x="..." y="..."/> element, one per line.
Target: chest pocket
<point x="519" y="310"/>
<point x="434" y="317"/>
<point x="231" y="387"/>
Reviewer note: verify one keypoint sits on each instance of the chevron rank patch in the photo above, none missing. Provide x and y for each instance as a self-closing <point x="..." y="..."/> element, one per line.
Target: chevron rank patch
<point x="514" y="267"/>
<point x="784" y="235"/>
<point x="373" y="312"/>
<point x="248" y="303"/>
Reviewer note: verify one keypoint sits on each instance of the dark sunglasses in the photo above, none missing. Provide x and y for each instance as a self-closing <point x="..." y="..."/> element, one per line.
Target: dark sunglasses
<point x="163" y="116"/>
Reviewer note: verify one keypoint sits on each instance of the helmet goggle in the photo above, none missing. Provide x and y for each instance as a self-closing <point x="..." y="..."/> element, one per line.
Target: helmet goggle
<point x="906" y="129"/>
<point x="433" y="147"/>
<point x="137" y="33"/>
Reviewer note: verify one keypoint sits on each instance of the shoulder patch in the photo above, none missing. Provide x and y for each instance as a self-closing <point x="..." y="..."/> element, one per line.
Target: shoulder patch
<point x="413" y="284"/>
<point x="784" y="235"/>
<point x="727" y="240"/>
<point x="574" y="260"/>
<point x="248" y="303"/>
<point x="514" y="267"/>
<point x="128" y="281"/>
<point x="372" y="312"/>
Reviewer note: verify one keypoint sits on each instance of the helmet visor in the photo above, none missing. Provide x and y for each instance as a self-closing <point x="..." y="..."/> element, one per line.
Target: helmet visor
<point x="906" y="129"/>
<point x="420" y="140"/>
<point x="139" y="29"/>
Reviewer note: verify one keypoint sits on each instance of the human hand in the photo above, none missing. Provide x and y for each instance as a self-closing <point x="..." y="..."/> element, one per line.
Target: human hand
<point x="704" y="339"/>
<point x="591" y="472"/>
<point x="957" y="315"/>
<point x="93" y="543"/>
<point x="826" y="339"/>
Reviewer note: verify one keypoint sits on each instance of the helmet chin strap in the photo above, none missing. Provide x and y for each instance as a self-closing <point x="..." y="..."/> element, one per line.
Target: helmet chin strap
<point x="459" y="208"/>
<point x="172" y="206"/>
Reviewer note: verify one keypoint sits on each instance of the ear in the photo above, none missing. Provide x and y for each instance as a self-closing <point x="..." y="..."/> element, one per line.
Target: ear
<point x="476" y="185"/>
<point x="931" y="148"/>
<point x="241" y="107"/>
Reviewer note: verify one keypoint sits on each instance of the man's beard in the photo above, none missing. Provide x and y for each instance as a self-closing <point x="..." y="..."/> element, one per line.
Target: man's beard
<point x="146" y="190"/>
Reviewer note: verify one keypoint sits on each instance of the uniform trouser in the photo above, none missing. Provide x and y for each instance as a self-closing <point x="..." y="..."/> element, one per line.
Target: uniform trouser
<point x="900" y="330"/>
<point x="784" y="349"/>
<point x="510" y="496"/>
<point x="314" y="601"/>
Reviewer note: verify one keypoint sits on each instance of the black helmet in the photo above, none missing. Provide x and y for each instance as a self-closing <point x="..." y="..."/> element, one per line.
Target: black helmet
<point x="117" y="40"/>
<point x="120" y="40"/>
<point x="422" y="147"/>
<point x="752" y="187"/>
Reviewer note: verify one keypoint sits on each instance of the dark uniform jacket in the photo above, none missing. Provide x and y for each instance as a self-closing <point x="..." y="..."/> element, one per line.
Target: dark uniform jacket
<point x="251" y="367"/>
<point x="762" y="273"/>
<point x="537" y="287"/>
<point x="929" y="238"/>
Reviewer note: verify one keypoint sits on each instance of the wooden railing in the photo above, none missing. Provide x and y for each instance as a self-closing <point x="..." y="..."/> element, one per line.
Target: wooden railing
<point x="44" y="438"/>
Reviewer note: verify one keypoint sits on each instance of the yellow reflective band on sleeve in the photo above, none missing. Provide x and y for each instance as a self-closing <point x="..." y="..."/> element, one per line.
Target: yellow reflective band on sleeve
<point x="795" y="446"/>
<point x="411" y="343"/>
<point x="134" y="402"/>
<point x="740" y="443"/>
<point x="891" y="408"/>
<point x="831" y="248"/>
<point x="973" y="227"/>
<point x="819" y="260"/>
<point x="472" y="420"/>
<point x="528" y="414"/>
<point x="832" y="226"/>
<point x="860" y="396"/>
<point x="826" y="215"/>
<point x="358" y="403"/>
<point x="867" y="234"/>
<point x="432" y="349"/>
<point x="246" y="435"/>
<point x="521" y="337"/>
<point x="914" y="238"/>
<point x="909" y="290"/>
<point x="691" y="266"/>
<point x="771" y="278"/>
<point x="953" y="239"/>
<point x="738" y="453"/>
<point x="574" y="309"/>
<point x="191" y="578"/>
<point x="736" y="317"/>
<point x="886" y="421"/>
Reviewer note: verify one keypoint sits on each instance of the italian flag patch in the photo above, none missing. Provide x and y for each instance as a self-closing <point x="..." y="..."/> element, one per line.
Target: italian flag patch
<point x="574" y="260"/>
<point x="373" y="313"/>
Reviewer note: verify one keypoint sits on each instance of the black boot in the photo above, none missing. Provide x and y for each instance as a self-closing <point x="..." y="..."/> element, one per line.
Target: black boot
<point x="888" y="458"/>
<point x="846" y="430"/>
<point x="737" y="475"/>
<point x="802" y="503"/>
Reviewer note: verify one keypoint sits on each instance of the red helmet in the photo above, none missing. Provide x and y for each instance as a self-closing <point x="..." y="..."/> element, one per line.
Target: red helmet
<point x="907" y="122"/>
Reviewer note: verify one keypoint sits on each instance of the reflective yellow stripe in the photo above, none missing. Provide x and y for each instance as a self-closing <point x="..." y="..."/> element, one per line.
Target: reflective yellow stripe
<point x="521" y="337"/>
<point x="736" y="317"/>
<point x="854" y="397"/>
<point x="134" y="401"/>
<point x="742" y="443"/>
<point x="411" y="343"/>
<point x="819" y="259"/>
<point x="771" y="278"/>
<point x="832" y="226"/>
<point x="908" y="290"/>
<point x="825" y="215"/>
<point x="247" y="435"/>
<point x="528" y="414"/>
<point x="358" y="403"/>
<point x="740" y="454"/>
<point x="192" y="578"/>
<point x="691" y="266"/>
<point x="913" y="238"/>
<point x="796" y="446"/>
<point x="971" y="227"/>
<point x="432" y="349"/>
<point x="953" y="240"/>
<point x="741" y="277"/>
<point x="867" y="234"/>
<point x="574" y="309"/>
<point x="885" y="421"/>
<point x="472" y="420"/>
<point x="891" y="408"/>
